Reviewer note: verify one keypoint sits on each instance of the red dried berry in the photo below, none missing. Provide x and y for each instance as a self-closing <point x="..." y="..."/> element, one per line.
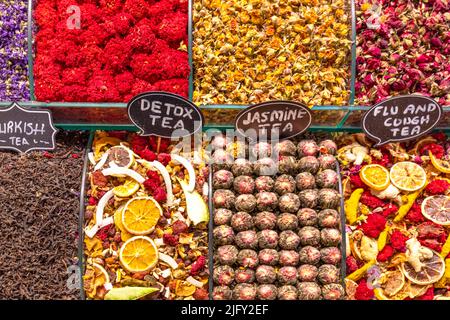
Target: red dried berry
<point x="170" y="239"/>
<point x="179" y="227"/>
<point x="198" y="265"/>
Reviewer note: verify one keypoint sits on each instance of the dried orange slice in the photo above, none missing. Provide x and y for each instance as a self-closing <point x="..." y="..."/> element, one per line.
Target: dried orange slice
<point x="138" y="254"/>
<point x="408" y="176"/>
<point x="120" y="157"/>
<point x="431" y="271"/>
<point x="124" y="234"/>
<point x="140" y="215"/>
<point x="437" y="209"/>
<point x="375" y="176"/>
<point x="442" y="166"/>
<point x="129" y="188"/>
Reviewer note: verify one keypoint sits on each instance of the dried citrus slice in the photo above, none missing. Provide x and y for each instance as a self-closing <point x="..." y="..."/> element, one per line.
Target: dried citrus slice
<point x="101" y="274"/>
<point x="416" y="290"/>
<point x="350" y="288"/>
<point x="431" y="271"/>
<point x="408" y="176"/>
<point x="140" y="215"/>
<point x="120" y="157"/>
<point x="129" y="188"/>
<point x="375" y="176"/>
<point x="392" y="282"/>
<point x="138" y="254"/>
<point x="94" y="277"/>
<point x="124" y="234"/>
<point x="441" y="165"/>
<point x="437" y="209"/>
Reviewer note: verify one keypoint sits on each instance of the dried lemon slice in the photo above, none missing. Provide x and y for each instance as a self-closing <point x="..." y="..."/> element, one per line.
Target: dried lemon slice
<point x="408" y="176"/>
<point x="138" y="254"/>
<point x="120" y="156"/>
<point x="437" y="209"/>
<point x="431" y="271"/>
<point x="442" y="166"/>
<point x="392" y="282"/>
<point x="375" y="176"/>
<point x="129" y="188"/>
<point x="140" y="215"/>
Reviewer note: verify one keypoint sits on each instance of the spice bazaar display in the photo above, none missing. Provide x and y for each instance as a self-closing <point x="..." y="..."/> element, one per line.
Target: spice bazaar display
<point x="402" y="48"/>
<point x="14" y="82"/>
<point x="398" y="216"/>
<point x="118" y="49"/>
<point x="254" y="51"/>
<point x="277" y="223"/>
<point x="145" y="230"/>
<point x="39" y="210"/>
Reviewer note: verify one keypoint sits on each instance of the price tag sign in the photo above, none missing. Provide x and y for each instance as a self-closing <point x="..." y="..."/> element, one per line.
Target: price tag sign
<point x="273" y="120"/>
<point x="401" y="118"/>
<point x="24" y="130"/>
<point x="165" y="115"/>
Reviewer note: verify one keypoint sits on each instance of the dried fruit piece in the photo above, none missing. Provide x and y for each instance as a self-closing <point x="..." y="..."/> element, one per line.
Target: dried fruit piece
<point x="439" y="164"/>
<point x="120" y="156"/>
<point x="375" y="176"/>
<point x="408" y="176"/>
<point x="140" y="215"/>
<point x="129" y="188"/>
<point x="138" y="254"/>
<point x="437" y="209"/>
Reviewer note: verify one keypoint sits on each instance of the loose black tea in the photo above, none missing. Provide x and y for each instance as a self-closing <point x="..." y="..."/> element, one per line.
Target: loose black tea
<point x="39" y="210"/>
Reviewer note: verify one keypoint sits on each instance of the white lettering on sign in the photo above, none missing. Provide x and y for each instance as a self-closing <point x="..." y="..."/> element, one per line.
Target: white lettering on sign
<point x="281" y="119"/>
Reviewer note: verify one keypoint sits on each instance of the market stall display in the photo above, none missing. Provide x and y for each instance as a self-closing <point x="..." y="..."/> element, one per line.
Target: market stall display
<point x="254" y="51"/>
<point x="397" y="208"/>
<point x="39" y="209"/>
<point x="146" y="217"/>
<point x="277" y="231"/>
<point x="14" y="82"/>
<point x="109" y="51"/>
<point x="402" y="48"/>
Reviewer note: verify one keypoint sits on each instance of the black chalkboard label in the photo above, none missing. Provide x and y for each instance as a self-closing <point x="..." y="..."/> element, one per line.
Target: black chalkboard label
<point x="24" y="130"/>
<point x="401" y="118"/>
<point x="273" y="120"/>
<point x="165" y="115"/>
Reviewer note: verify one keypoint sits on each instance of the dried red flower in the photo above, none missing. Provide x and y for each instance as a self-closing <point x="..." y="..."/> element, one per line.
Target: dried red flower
<point x="371" y="201"/>
<point x="374" y="225"/>
<point x="436" y="149"/>
<point x="389" y="209"/>
<point x="385" y="254"/>
<point x="363" y="292"/>
<point x="356" y="181"/>
<point x="398" y="241"/>
<point x="437" y="187"/>
<point x="414" y="214"/>
<point x="94" y="64"/>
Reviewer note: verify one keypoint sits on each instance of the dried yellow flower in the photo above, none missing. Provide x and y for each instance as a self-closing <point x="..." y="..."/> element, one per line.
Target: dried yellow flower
<point x="250" y="51"/>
